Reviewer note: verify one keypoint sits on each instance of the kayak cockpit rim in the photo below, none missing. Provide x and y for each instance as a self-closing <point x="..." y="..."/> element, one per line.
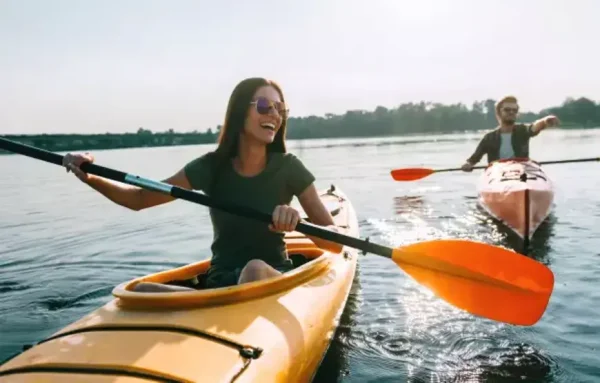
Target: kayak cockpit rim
<point x="128" y="298"/>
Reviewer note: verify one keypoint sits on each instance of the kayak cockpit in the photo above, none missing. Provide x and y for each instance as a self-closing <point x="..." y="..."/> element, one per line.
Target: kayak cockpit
<point x="514" y="169"/>
<point x="309" y="262"/>
<point x="198" y="271"/>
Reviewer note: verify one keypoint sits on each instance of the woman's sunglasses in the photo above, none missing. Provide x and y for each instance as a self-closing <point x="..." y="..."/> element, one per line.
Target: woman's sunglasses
<point x="264" y="106"/>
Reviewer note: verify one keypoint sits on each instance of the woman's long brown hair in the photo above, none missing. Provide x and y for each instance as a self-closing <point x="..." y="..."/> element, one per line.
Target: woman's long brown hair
<point x="235" y="118"/>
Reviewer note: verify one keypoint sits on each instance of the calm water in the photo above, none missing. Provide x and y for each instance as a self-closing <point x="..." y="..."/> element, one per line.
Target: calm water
<point x="63" y="247"/>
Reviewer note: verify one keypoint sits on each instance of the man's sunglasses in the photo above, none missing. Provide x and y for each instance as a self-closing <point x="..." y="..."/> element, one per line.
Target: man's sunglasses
<point x="264" y="106"/>
<point x="514" y="110"/>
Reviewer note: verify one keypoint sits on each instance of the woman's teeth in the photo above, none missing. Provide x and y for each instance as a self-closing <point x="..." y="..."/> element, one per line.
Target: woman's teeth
<point x="268" y="125"/>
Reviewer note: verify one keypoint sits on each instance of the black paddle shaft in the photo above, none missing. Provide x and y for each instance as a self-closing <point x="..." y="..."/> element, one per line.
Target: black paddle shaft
<point x="193" y="196"/>
<point x="591" y="159"/>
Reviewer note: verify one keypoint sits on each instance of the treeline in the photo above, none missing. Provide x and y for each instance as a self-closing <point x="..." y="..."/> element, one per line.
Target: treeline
<point x="427" y="117"/>
<point x="423" y="117"/>
<point x="142" y="138"/>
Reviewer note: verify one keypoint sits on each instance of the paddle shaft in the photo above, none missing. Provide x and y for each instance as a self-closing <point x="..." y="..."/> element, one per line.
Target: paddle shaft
<point x="195" y="197"/>
<point x="541" y="163"/>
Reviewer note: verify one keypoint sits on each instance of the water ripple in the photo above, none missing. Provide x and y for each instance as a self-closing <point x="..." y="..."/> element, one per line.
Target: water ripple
<point x="62" y="251"/>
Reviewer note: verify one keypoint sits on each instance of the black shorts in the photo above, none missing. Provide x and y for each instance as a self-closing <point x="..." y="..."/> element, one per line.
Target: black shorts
<point x="222" y="277"/>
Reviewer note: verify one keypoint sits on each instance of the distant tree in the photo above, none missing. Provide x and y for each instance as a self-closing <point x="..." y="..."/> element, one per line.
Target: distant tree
<point x="407" y="118"/>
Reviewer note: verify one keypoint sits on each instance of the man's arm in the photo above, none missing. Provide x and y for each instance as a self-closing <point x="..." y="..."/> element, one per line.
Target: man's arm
<point x="476" y="156"/>
<point x="543" y="123"/>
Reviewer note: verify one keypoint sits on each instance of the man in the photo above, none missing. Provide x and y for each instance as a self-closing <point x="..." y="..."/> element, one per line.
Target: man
<point x="509" y="140"/>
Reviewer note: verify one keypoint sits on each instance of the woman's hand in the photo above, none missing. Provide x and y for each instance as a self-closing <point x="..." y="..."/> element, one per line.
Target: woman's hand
<point x="73" y="161"/>
<point x="285" y="218"/>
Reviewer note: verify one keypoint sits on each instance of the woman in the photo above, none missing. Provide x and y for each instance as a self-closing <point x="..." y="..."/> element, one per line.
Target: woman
<point x="250" y="167"/>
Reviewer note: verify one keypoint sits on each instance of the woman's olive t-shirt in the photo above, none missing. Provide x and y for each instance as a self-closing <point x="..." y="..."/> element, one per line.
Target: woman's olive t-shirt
<point x="237" y="239"/>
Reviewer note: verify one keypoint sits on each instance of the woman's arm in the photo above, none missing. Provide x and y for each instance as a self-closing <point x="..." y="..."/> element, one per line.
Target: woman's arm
<point x="319" y="215"/>
<point x="133" y="197"/>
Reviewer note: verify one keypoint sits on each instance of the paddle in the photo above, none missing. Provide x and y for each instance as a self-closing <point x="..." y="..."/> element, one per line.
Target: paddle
<point x="413" y="174"/>
<point x="482" y="279"/>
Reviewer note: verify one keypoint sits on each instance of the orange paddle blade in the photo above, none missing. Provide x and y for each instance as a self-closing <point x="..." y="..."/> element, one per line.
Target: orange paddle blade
<point x="484" y="280"/>
<point x="410" y="174"/>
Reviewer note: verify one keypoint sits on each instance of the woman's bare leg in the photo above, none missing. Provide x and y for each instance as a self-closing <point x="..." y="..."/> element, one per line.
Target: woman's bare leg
<point x="151" y="287"/>
<point x="256" y="270"/>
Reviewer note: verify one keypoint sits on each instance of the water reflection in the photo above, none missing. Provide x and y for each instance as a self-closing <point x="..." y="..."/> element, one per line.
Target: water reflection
<point x="413" y="336"/>
<point x="517" y="361"/>
<point x="334" y="366"/>
<point x="392" y="330"/>
<point x="539" y="245"/>
<point x="369" y="142"/>
<point x="408" y="204"/>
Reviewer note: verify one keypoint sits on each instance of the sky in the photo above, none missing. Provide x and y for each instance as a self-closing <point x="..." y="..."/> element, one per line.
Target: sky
<point x="117" y="65"/>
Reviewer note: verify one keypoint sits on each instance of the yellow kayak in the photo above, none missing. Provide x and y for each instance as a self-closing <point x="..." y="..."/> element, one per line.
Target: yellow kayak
<point x="276" y="330"/>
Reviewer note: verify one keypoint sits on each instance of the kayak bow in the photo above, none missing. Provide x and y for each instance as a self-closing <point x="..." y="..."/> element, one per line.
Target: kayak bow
<point x="518" y="193"/>
<point x="274" y="330"/>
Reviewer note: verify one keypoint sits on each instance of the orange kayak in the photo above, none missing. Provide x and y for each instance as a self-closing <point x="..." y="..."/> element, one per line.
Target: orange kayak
<point x="518" y="193"/>
<point x="275" y="330"/>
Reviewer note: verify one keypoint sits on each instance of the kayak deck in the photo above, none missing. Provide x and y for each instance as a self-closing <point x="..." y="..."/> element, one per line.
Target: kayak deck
<point x="517" y="193"/>
<point x="276" y="330"/>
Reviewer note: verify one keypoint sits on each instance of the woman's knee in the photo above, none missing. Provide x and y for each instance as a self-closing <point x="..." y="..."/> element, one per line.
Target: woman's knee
<point x="256" y="269"/>
<point x="255" y="266"/>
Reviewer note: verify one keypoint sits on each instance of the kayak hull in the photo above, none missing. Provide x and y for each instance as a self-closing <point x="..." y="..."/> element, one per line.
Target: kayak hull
<point x="276" y="330"/>
<point x="517" y="193"/>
